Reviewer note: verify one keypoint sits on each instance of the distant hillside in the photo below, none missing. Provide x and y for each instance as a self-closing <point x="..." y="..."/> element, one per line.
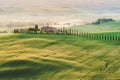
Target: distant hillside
<point x="102" y="27"/>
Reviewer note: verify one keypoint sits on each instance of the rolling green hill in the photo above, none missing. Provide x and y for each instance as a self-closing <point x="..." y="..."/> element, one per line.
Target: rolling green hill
<point x="57" y="57"/>
<point x="103" y="27"/>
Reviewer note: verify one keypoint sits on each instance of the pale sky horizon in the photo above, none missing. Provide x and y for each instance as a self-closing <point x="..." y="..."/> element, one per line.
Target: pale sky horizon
<point x="79" y="9"/>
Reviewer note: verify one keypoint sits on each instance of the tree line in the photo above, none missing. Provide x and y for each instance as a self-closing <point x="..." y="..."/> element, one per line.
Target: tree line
<point x="65" y="31"/>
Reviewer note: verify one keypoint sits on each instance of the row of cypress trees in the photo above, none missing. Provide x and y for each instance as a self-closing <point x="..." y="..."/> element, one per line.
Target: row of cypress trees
<point x="98" y="36"/>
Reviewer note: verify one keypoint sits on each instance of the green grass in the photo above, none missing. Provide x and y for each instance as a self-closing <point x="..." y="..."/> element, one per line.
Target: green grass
<point x="109" y="34"/>
<point x="57" y="57"/>
<point x="112" y="36"/>
<point x="103" y="27"/>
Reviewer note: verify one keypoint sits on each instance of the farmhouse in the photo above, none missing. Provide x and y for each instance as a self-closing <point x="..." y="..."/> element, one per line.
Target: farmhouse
<point x="104" y="20"/>
<point x="48" y="29"/>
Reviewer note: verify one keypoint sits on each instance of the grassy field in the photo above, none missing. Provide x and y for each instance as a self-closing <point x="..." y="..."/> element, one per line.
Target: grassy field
<point x="103" y="27"/>
<point x="111" y="33"/>
<point x="57" y="57"/>
<point x="112" y="36"/>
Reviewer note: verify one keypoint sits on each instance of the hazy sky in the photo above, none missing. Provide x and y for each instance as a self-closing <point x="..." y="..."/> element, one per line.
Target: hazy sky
<point x="75" y="8"/>
<point x="92" y="5"/>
